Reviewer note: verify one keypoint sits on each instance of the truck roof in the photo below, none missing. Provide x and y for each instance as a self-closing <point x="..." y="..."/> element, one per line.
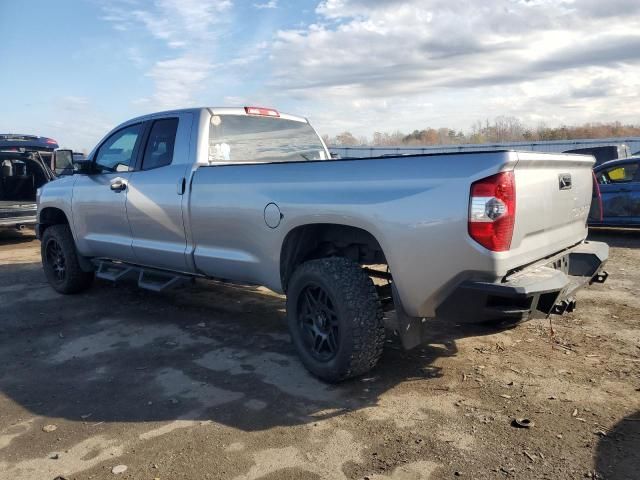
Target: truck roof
<point x="217" y="111"/>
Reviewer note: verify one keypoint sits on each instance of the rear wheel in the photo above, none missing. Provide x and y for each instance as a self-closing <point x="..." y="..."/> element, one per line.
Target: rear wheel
<point x="60" y="261"/>
<point x="335" y="318"/>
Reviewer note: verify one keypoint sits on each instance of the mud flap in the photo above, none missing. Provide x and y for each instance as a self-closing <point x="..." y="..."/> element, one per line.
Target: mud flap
<point x="411" y="330"/>
<point x="85" y="264"/>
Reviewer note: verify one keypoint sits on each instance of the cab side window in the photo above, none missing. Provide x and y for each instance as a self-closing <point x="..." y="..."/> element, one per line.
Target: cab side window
<point x="618" y="174"/>
<point x="116" y="154"/>
<point x="162" y="138"/>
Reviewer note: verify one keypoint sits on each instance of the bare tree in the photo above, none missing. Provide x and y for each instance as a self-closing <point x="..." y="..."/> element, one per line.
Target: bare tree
<point x="346" y="139"/>
<point x="500" y="129"/>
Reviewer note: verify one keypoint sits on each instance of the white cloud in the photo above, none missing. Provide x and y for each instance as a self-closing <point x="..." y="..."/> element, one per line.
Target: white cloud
<point x="178" y="80"/>
<point x="188" y="27"/>
<point x="74" y="102"/>
<point x="269" y="4"/>
<point x="179" y="23"/>
<point x="88" y="124"/>
<point x="378" y="62"/>
<point x="135" y="56"/>
<point x="183" y="22"/>
<point x="368" y="65"/>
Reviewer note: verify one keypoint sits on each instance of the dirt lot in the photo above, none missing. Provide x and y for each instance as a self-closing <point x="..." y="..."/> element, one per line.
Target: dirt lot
<point x="202" y="382"/>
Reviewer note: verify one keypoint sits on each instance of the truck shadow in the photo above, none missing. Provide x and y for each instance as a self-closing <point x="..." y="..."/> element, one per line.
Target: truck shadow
<point x="205" y="352"/>
<point x="10" y="236"/>
<point x="618" y="453"/>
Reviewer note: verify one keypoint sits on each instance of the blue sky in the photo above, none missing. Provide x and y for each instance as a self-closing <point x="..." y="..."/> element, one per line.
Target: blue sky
<point x="74" y="69"/>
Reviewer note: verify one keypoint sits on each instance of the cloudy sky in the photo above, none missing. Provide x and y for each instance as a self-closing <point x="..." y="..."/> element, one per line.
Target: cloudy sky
<point x="72" y="69"/>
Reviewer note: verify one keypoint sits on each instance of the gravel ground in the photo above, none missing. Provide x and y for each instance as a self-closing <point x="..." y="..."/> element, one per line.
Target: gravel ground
<point x="202" y="382"/>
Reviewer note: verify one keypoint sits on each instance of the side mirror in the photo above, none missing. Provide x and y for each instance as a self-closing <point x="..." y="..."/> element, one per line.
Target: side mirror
<point x="63" y="162"/>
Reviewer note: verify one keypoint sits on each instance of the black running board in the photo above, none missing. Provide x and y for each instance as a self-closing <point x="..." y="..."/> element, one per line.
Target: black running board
<point x="148" y="278"/>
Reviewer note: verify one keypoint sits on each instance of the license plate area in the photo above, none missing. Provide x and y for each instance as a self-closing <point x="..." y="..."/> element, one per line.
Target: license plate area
<point x="561" y="264"/>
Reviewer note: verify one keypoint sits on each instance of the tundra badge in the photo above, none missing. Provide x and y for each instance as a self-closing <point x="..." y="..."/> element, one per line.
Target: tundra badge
<point x="564" y="181"/>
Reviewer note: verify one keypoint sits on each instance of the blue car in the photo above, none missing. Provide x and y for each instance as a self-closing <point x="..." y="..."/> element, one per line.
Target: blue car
<point x="619" y="184"/>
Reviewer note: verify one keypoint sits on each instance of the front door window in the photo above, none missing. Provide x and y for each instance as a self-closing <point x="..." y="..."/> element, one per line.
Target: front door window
<point x="116" y="154"/>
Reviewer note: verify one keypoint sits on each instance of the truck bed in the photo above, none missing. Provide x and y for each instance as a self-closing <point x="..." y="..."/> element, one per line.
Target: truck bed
<point x="416" y="207"/>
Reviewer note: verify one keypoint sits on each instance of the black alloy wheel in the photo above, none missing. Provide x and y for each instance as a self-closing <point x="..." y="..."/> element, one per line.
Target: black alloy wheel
<point x="335" y="318"/>
<point x="61" y="262"/>
<point x="55" y="259"/>
<point x="318" y="323"/>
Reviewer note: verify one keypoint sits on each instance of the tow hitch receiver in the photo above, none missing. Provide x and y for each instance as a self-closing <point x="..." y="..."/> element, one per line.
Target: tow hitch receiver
<point x="600" y="277"/>
<point x="565" y="306"/>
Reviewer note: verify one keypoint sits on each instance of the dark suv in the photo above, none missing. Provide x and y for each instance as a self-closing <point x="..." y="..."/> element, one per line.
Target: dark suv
<point x="25" y="165"/>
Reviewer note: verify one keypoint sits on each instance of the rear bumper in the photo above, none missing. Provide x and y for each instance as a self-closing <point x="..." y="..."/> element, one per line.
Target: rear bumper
<point x="17" y="221"/>
<point x="18" y="214"/>
<point x="537" y="291"/>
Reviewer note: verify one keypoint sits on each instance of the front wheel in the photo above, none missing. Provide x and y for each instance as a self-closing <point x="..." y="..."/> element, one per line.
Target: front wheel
<point x="60" y="261"/>
<point x="335" y="318"/>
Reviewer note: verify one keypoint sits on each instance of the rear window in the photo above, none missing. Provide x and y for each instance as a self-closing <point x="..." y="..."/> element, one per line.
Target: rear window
<point x="246" y="139"/>
<point x="159" y="151"/>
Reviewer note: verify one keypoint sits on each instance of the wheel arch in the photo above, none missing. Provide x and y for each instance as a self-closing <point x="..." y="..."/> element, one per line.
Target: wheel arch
<point x="49" y="216"/>
<point x="318" y="240"/>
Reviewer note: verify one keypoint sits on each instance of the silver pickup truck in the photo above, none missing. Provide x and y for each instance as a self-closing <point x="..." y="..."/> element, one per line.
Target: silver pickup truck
<point x="251" y="195"/>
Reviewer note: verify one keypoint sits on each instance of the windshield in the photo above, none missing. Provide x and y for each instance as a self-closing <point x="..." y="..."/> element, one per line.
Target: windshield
<point x="246" y="139"/>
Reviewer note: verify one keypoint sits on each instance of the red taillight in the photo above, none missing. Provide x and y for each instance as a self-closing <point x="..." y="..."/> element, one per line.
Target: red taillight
<point x="267" y="112"/>
<point x="492" y="211"/>
<point x="51" y="141"/>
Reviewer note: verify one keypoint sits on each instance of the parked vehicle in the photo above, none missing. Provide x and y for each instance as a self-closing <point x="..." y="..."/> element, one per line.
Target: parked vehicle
<point x="619" y="184"/>
<point x="603" y="154"/>
<point x="22" y="142"/>
<point x="21" y="174"/>
<point x="12" y="142"/>
<point x="26" y="163"/>
<point x="251" y="195"/>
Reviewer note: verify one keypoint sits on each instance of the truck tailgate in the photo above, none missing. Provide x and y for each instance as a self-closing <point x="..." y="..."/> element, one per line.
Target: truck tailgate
<point x="553" y="197"/>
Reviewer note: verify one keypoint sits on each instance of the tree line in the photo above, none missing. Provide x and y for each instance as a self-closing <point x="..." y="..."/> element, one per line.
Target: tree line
<point x="501" y="129"/>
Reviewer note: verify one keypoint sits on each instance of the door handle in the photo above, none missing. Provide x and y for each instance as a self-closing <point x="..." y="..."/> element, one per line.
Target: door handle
<point x="182" y="185"/>
<point x="625" y="189"/>
<point x="118" y="185"/>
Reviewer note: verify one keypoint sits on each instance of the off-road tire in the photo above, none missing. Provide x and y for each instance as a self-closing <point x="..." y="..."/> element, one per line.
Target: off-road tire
<point x="359" y="317"/>
<point x="74" y="280"/>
